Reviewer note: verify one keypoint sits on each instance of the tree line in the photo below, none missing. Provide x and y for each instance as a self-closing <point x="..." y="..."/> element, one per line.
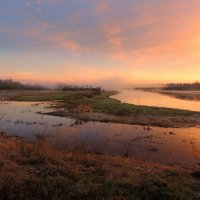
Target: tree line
<point x="183" y="86"/>
<point x="9" y="84"/>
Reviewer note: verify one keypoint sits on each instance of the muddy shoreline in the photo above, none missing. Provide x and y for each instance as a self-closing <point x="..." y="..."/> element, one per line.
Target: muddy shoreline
<point x="148" y="120"/>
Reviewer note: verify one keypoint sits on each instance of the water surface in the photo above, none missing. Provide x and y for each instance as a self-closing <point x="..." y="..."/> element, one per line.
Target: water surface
<point x="171" y="146"/>
<point x="139" y="97"/>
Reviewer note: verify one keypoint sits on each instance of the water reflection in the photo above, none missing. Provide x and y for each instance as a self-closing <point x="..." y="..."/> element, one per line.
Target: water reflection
<point x="173" y="146"/>
<point x="155" y="99"/>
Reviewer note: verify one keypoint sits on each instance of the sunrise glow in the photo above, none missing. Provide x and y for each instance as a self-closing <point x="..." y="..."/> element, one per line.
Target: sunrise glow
<point x="100" y="41"/>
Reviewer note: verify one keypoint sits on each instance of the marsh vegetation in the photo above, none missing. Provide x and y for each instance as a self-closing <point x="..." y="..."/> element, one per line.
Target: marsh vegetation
<point x="88" y="105"/>
<point x="34" y="170"/>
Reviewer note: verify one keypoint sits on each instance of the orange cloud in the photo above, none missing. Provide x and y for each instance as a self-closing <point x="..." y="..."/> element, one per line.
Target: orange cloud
<point x="132" y="40"/>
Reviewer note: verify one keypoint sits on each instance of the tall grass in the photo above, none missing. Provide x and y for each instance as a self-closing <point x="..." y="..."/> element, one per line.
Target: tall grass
<point x="34" y="170"/>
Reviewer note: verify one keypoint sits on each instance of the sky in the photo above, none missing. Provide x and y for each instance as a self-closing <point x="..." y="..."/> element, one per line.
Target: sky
<point x="105" y="42"/>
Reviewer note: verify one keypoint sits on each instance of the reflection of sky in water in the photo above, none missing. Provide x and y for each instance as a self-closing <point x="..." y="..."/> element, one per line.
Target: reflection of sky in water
<point x="155" y="99"/>
<point x="152" y="145"/>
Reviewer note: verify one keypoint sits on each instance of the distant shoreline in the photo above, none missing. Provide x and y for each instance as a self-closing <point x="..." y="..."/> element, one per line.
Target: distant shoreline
<point x="191" y="95"/>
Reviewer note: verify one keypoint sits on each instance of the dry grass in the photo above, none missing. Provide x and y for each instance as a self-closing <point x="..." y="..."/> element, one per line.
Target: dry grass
<point x="34" y="170"/>
<point x="82" y="108"/>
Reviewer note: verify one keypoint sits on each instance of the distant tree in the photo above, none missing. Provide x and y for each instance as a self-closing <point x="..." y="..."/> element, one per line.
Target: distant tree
<point x="183" y="86"/>
<point x="9" y="84"/>
<point x="70" y="87"/>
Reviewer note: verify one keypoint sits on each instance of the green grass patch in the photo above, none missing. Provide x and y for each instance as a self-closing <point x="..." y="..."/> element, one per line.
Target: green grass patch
<point x="102" y="103"/>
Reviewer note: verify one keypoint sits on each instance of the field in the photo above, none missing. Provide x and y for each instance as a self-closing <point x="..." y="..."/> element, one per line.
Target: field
<point x="34" y="170"/>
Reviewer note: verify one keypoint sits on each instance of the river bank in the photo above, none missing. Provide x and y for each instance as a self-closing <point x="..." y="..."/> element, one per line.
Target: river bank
<point x="85" y="105"/>
<point x="179" y="94"/>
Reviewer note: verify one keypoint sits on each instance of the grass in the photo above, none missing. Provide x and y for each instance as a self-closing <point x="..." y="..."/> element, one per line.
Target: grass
<point x="43" y="96"/>
<point x="100" y="103"/>
<point x="89" y="106"/>
<point x="115" y="107"/>
<point x="104" y="104"/>
<point x="34" y="170"/>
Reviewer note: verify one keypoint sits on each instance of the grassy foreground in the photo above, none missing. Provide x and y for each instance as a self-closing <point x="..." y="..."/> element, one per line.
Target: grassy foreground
<point x="86" y="105"/>
<point x="34" y="170"/>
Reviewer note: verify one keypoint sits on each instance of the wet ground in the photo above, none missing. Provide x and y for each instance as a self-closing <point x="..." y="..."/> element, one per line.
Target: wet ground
<point x="165" y="145"/>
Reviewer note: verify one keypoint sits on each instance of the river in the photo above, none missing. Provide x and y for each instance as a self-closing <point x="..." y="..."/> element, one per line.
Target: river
<point x="140" y="97"/>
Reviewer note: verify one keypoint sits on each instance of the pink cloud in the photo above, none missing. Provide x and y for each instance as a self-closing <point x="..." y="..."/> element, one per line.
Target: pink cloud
<point x="142" y="38"/>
